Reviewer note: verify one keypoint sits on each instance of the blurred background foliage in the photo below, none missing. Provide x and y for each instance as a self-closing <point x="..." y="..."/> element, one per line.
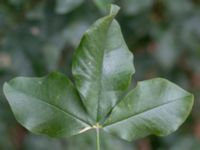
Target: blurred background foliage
<point x="39" y="36"/>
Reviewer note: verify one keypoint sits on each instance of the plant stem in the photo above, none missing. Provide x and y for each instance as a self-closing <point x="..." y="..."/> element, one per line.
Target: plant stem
<point x="98" y="138"/>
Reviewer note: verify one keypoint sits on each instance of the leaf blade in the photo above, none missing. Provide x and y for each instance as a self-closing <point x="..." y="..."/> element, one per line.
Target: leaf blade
<point x="96" y="66"/>
<point x="155" y="106"/>
<point x="42" y="105"/>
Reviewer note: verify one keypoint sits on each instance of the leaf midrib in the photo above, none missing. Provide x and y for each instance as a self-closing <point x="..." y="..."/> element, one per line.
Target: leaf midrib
<point x="101" y="70"/>
<point x="146" y="110"/>
<point x="54" y="106"/>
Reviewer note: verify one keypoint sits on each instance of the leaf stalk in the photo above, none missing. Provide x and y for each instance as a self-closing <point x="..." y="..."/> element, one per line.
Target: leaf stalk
<point x="97" y="127"/>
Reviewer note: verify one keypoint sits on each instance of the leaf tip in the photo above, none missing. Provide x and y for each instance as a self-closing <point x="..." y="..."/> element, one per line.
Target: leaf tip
<point x="114" y="9"/>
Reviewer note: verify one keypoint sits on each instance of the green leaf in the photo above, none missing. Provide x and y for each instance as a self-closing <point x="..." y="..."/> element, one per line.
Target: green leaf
<point x="102" y="66"/>
<point x="48" y="105"/>
<point x="102" y="69"/>
<point x="65" y="6"/>
<point x="155" y="106"/>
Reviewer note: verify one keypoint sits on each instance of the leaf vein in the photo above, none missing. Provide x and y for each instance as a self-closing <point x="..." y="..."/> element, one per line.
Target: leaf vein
<point x="56" y="107"/>
<point x="147" y="110"/>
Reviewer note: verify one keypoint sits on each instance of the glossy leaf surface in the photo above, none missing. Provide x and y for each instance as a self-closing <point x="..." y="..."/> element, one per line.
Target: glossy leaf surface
<point x="102" y="66"/>
<point x="155" y="106"/>
<point x="48" y="105"/>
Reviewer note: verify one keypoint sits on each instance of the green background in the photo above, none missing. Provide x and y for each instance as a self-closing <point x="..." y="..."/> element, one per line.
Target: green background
<point x="40" y="36"/>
